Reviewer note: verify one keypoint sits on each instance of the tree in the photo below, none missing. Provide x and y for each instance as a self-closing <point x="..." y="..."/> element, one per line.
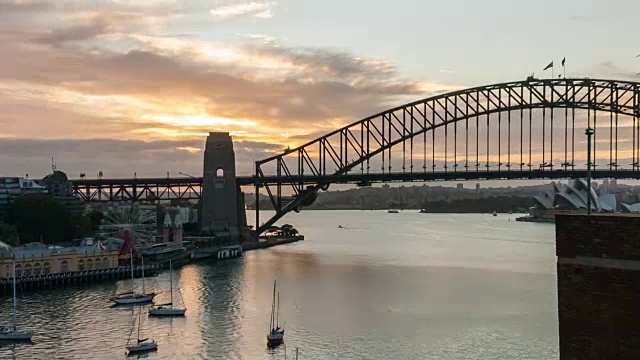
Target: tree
<point x="9" y="234"/>
<point x="288" y="230"/>
<point x="95" y="219"/>
<point x="39" y="216"/>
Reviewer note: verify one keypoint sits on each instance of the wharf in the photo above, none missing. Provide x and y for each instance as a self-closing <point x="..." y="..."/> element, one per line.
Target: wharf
<point x="77" y="278"/>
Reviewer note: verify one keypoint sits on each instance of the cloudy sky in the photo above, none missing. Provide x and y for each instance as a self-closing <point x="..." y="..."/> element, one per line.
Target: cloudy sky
<point x="135" y="85"/>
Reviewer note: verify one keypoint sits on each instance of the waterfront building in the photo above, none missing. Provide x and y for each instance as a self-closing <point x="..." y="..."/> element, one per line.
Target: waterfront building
<point x="39" y="259"/>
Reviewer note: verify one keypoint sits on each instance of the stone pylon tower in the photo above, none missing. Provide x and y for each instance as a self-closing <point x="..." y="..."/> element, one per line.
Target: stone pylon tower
<point x="221" y="211"/>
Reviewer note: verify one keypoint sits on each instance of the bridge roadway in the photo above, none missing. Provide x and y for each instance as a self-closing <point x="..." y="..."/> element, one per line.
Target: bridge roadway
<point x="371" y="177"/>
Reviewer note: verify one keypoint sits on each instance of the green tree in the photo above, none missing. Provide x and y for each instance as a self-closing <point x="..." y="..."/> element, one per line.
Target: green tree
<point x="288" y="230"/>
<point x="95" y="219"/>
<point x="40" y="216"/>
<point x="9" y="234"/>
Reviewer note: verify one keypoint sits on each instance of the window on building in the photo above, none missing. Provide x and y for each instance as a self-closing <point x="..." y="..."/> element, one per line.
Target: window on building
<point x="81" y="265"/>
<point x="47" y="268"/>
<point x="9" y="271"/>
<point x="219" y="173"/>
<point x="37" y="268"/>
<point x="105" y="263"/>
<point x="27" y="270"/>
<point x="89" y="264"/>
<point x="18" y="270"/>
<point x="64" y="266"/>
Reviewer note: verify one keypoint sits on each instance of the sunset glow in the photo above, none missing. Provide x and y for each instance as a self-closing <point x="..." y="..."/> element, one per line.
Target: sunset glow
<point x="274" y="74"/>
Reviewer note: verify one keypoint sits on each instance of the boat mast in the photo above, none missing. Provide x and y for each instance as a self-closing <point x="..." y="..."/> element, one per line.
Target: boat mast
<point x="132" y="277"/>
<point x="278" y="312"/>
<point x="14" y="295"/>
<point x="142" y="258"/>
<point x="171" y="282"/>
<point x="139" y="325"/>
<point x="273" y="304"/>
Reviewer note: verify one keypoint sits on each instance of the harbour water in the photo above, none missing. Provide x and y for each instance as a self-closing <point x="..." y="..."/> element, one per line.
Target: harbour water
<point x="385" y="286"/>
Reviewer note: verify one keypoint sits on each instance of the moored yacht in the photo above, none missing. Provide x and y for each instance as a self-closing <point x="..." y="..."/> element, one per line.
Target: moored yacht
<point x="11" y="333"/>
<point x="131" y="297"/>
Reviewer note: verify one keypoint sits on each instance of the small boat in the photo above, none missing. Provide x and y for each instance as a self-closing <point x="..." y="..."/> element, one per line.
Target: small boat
<point x="276" y="335"/>
<point x="495" y="213"/>
<point x="131" y="297"/>
<point x="11" y="333"/>
<point x="142" y="345"/>
<point x="168" y="309"/>
<point x="392" y="211"/>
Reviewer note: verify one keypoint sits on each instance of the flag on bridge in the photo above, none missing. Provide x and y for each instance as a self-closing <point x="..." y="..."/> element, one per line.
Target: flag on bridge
<point x="563" y="61"/>
<point x="550" y="66"/>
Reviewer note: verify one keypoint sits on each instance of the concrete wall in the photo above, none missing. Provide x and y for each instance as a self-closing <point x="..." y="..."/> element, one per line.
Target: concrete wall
<point x="598" y="286"/>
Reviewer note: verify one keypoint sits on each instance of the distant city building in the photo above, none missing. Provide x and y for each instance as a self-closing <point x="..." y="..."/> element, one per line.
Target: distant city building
<point x="13" y="187"/>
<point x="58" y="185"/>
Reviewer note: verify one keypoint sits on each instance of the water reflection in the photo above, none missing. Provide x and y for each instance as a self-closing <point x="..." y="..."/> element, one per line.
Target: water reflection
<point x="402" y="287"/>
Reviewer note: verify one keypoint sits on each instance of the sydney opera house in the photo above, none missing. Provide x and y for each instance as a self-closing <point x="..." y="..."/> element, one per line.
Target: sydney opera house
<point x="572" y="199"/>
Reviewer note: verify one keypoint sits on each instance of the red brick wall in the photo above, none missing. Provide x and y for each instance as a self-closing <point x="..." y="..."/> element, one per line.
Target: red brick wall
<point x="599" y="293"/>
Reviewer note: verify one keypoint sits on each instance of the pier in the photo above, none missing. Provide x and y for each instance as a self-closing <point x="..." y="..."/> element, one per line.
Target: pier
<point x="76" y="278"/>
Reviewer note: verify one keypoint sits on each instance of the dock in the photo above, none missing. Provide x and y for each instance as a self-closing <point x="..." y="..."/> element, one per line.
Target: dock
<point x="77" y="278"/>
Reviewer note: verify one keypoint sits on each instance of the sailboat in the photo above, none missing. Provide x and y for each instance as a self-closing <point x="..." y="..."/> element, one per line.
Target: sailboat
<point x="276" y="334"/>
<point x="163" y="310"/>
<point x="141" y="345"/>
<point x="131" y="297"/>
<point x="11" y="333"/>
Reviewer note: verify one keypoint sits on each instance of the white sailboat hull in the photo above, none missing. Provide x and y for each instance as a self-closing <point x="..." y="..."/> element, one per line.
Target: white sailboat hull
<point x="145" y="346"/>
<point x="16" y="336"/>
<point x="163" y="311"/>
<point x="133" y="299"/>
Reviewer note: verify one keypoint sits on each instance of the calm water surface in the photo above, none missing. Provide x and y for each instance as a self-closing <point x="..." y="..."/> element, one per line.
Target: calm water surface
<point x="387" y="286"/>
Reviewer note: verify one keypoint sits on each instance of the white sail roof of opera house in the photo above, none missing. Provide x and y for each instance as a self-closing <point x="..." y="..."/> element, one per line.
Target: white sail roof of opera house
<point x="575" y="196"/>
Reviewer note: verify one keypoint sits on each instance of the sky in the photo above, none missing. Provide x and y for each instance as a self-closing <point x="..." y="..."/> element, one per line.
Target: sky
<point x="124" y="86"/>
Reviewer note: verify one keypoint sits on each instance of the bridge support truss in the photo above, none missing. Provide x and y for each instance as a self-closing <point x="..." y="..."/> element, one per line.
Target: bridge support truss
<point x="522" y="127"/>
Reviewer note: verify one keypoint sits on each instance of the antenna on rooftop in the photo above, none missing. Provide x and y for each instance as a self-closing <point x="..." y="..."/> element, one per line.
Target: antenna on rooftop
<point x="53" y="165"/>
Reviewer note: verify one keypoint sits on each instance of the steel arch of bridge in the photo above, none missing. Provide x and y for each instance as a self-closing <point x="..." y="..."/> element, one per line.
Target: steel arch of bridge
<point x="348" y="151"/>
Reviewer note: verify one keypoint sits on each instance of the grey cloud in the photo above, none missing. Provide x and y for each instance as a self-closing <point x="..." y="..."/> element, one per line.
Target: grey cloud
<point x="96" y="26"/>
<point x="337" y="63"/>
<point x="117" y="158"/>
<point x="8" y="6"/>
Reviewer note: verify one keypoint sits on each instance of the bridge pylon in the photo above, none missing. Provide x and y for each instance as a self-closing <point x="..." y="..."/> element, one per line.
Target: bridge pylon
<point x="222" y="212"/>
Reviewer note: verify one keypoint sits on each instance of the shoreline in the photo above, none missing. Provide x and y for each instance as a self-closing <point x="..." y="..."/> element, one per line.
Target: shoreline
<point x="270" y="242"/>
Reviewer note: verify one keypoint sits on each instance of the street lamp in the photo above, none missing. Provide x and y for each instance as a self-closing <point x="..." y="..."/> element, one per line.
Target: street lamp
<point x="181" y="173"/>
<point x="589" y="132"/>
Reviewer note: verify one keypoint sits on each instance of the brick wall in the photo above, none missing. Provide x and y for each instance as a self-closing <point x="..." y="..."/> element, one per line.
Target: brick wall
<point x="598" y="286"/>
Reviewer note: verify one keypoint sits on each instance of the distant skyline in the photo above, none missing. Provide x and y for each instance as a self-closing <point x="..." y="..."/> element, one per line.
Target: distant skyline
<point x="124" y="86"/>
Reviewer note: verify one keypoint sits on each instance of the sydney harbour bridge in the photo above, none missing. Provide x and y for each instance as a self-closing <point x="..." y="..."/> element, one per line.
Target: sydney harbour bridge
<point x="530" y="129"/>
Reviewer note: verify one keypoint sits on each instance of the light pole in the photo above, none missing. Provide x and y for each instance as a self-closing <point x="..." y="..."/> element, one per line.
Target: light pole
<point x="181" y="173"/>
<point x="589" y="133"/>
